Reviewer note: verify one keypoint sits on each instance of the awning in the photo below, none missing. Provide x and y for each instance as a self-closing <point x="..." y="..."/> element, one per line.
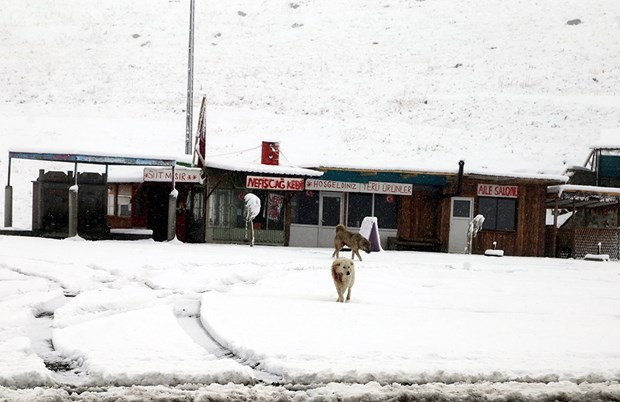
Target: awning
<point x="571" y="196"/>
<point x="93" y="158"/>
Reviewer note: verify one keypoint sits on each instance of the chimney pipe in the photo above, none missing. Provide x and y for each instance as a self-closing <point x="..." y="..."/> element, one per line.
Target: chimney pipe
<point x="459" y="186"/>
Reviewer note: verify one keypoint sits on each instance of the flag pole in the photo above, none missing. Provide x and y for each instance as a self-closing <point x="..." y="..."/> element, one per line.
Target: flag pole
<point x="190" y="81"/>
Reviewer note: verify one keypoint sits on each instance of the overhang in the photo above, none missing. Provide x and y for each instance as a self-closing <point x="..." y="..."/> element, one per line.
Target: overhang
<point x="572" y="196"/>
<point x="92" y="158"/>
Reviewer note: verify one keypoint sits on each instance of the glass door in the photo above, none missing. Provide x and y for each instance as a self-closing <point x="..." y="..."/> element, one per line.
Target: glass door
<point x="331" y="212"/>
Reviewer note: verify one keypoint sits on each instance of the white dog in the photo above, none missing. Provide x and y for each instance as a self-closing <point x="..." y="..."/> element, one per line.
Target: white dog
<point x="343" y="274"/>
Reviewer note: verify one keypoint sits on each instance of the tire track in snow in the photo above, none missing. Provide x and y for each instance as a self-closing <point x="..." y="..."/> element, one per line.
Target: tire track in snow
<point x="194" y="327"/>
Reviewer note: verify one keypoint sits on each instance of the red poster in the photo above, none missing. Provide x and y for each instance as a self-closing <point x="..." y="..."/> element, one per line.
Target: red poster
<point x="275" y="207"/>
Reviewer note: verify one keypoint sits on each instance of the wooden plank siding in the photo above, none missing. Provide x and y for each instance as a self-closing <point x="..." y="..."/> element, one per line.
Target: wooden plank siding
<point x="419" y="217"/>
<point x="529" y="237"/>
<point x="425" y="217"/>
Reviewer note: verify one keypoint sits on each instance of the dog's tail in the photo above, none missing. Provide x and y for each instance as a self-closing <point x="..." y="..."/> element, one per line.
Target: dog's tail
<point x="340" y="227"/>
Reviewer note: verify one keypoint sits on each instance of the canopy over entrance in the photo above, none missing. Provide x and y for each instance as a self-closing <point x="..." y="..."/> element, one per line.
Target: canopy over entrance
<point x="87" y="158"/>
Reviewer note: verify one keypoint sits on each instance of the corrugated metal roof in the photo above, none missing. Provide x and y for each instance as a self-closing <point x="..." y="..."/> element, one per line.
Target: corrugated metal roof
<point x="92" y="158"/>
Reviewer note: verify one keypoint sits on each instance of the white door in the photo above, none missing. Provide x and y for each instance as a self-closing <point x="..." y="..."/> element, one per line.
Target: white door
<point x="331" y="213"/>
<point x="461" y="213"/>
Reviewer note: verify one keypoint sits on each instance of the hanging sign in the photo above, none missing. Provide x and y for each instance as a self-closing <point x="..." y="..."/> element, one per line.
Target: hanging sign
<point x="494" y="190"/>
<point x="329" y="185"/>
<point x="378" y="187"/>
<point x="181" y="175"/>
<point x="274" y="183"/>
<point x="375" y="187"/>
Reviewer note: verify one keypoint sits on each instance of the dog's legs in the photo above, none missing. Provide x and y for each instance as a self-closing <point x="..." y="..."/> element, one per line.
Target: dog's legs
<point x="340" y="291"/>
<point x="335" y="253"/>
<point x="349" y="294"/>
<point x="354" y="252"/>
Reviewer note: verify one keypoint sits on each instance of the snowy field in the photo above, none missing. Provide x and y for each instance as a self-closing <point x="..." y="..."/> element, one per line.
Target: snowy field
<point x="231" y="320"/>
<point x="393" y="83"/>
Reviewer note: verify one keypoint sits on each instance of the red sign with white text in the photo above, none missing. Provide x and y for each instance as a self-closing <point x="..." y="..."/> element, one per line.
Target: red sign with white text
<point x="495" y="190"/>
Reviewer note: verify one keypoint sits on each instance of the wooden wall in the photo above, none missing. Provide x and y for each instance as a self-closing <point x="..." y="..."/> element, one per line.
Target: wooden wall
<point x="419" y="217"/>
<point x="425" y="216"/>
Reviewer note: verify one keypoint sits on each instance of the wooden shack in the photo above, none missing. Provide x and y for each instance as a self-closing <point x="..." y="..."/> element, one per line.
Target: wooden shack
<point x="513" y="208"/>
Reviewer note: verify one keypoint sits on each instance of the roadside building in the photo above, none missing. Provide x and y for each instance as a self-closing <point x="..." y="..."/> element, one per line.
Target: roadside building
<point x="273" y="183"/>
<point x="139" y="203"/>
<point x="428" y="211"/>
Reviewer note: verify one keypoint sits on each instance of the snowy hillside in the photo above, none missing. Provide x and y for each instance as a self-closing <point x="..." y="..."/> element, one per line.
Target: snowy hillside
<point x="506" y="85"/>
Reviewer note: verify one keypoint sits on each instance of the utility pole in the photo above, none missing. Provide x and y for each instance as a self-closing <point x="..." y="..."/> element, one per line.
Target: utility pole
<point x="190" y="81"/>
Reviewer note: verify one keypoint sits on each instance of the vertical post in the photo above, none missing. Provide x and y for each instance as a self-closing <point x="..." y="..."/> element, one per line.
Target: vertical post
<point x="37" y="213"/>
<point x="597" y="166"/>
<point x="190" y="82"/>
<point x="172" y="210"/>
<point x="554" y="238"/>
<point x="73" y="206"/>
<point x="8" y="200"/>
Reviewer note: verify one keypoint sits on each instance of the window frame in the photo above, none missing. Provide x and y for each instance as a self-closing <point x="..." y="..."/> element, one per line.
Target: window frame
<point x="494" y="222"/>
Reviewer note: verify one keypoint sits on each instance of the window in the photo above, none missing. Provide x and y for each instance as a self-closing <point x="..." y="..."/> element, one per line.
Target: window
<point x="360" y="206"/>
<point x="305" y="208"/>
<point x="499" y="213"/>
<point x="119" y="200"/>
<point x="197" y="205"/>
<point x="219" y="207"/>
<point x="381" y="206"/>
<point x="275" y="211"/>
<point x="460" y="209"/>
<point x="331" y="209"/>
<point x="385" y="211"/>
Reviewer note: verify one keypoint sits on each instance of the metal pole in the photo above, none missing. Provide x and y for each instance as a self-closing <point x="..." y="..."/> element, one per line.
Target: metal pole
<point x="73" y="206"/>
<point x="554" y="239"/>
<point x="172" y="210"/>
<point x="8" y="177"/>
<point x="8" y="200"/>
<point x="190" y="82"/>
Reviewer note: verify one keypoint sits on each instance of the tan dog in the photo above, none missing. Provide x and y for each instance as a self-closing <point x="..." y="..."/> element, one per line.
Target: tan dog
<point x="343" y="274"/>
<point x="354" y="240"/>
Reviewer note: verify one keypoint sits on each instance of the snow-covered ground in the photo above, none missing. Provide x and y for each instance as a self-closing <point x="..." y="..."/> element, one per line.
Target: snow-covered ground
<point x="202" y="319"/>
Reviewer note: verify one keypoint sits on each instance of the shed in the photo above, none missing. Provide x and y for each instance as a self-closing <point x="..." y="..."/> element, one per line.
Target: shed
<point x="61" y="186"/>
<point x="594" y="219"/>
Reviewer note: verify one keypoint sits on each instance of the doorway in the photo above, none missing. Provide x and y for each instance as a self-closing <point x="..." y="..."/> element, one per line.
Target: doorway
<point x="331" y="213"/>
<point x="461" y="214"/>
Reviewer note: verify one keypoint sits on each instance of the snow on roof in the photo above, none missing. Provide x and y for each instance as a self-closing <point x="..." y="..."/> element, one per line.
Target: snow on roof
<point x="517" y="175"/>
<point x="446" y="170"/>
<point x="252" y="167"/>
<point x="574" y="188"/>
<point x="52" y="153"/>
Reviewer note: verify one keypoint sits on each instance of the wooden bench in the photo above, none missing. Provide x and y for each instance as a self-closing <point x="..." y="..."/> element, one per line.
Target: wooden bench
<point x="394" y="243"/>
